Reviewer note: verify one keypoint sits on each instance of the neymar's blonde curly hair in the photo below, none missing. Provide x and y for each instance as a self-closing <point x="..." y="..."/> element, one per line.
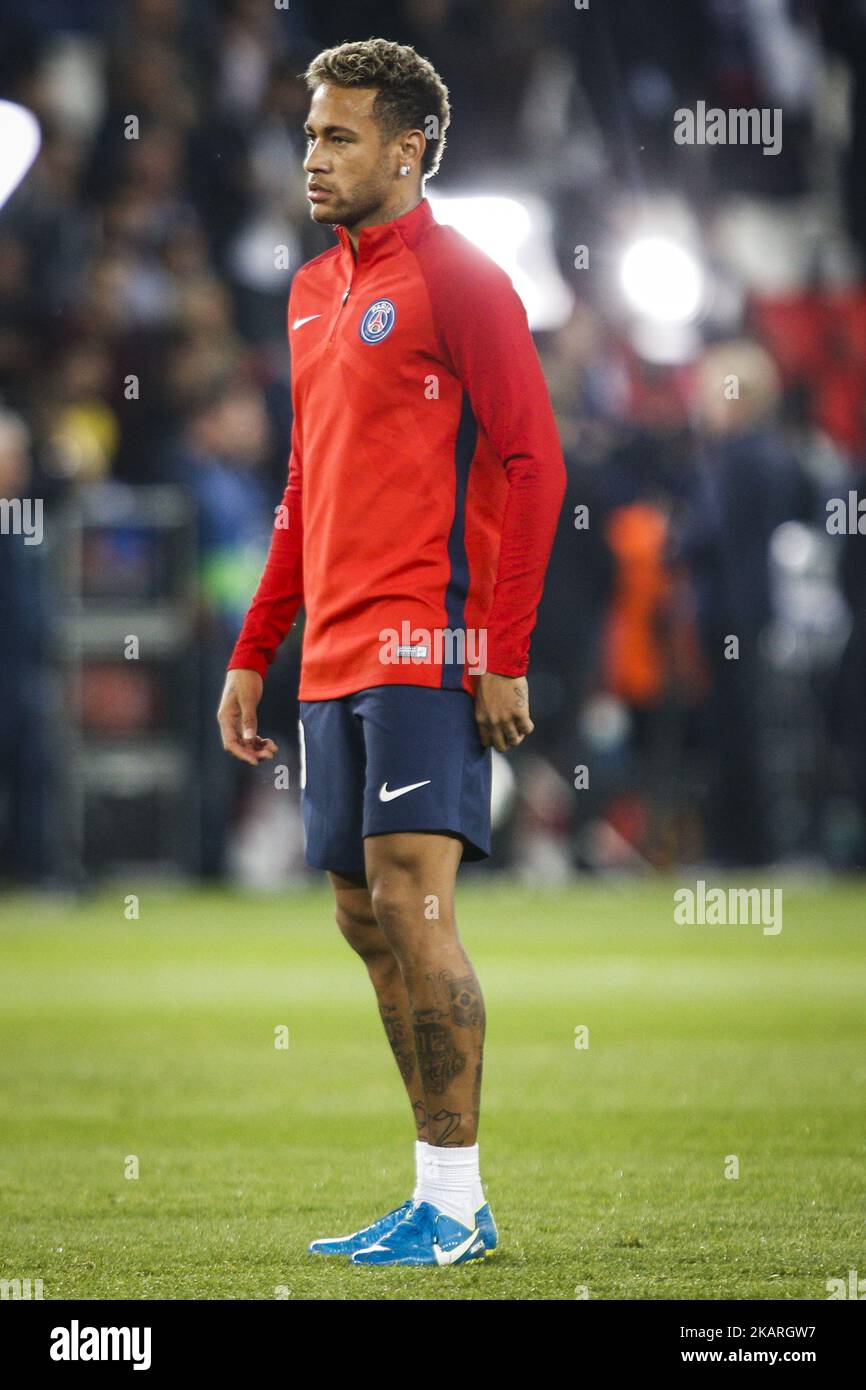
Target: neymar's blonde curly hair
<point x="411" y="95"/>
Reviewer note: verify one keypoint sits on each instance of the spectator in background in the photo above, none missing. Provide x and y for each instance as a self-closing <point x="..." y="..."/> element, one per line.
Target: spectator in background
<point x="275" y="232"/>
<point x="746" y="483"/>
<point x="80" y="430"/>
<point x="18" y="320"/>
<point x="218" y="459"/>
<point x="24" y="765"/>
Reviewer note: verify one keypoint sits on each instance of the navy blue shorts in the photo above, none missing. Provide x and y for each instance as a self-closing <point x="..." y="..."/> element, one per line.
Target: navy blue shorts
<point x="391" y="758"/>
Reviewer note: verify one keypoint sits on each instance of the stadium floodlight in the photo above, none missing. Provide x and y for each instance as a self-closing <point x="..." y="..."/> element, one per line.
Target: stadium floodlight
<point x="19" y="145"/>
<point x="662" y="280"/>
<point x="517" y="234"/>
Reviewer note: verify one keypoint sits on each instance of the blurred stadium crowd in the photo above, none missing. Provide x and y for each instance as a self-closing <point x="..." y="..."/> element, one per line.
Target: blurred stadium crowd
<point x="151" y="260"/>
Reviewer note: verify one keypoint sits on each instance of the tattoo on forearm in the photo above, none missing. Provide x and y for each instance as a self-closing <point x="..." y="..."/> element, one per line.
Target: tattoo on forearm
<point x="439" y="1058"/>
<point x="404" y="1051"/>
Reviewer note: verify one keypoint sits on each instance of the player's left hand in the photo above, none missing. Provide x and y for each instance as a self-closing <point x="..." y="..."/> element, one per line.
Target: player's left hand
<point x="502" y="710"/>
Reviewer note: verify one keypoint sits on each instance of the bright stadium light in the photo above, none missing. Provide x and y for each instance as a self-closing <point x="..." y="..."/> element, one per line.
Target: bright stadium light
<point x="19" y="146"/>
<point x="662" y="281"/>
<point x="518" y="236"/>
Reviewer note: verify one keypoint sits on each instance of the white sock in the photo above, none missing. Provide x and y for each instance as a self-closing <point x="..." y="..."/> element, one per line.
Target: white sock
<point x="451" y="1181"/>
<point x="421" y="1147"/>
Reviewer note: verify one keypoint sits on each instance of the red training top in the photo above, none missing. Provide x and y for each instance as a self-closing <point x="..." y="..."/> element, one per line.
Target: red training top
<point x="426" y="475"/>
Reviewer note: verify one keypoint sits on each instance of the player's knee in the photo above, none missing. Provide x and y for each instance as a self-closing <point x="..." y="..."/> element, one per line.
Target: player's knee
<point x="363" y="933"/>
<point x="390" y="901"/>
<point x="398" y="904"/>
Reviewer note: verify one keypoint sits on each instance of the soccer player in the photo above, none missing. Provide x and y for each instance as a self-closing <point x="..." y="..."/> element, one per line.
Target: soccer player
<point x="424" y="486"/>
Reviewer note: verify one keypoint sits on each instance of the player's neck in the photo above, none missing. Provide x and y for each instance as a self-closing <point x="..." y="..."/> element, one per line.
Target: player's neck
<point x="387" y="213"/>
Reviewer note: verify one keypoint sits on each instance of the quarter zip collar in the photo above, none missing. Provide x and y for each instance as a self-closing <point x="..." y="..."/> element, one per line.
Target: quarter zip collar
<point x="379" y="242"/>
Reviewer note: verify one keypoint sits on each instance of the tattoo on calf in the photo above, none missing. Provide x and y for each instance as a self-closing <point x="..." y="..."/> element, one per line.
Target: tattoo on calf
<point x="439" y="1059"/>
<point x="448" y="1120"/>
<point x="396" y="1034"/>
<point x="464" y="998"/>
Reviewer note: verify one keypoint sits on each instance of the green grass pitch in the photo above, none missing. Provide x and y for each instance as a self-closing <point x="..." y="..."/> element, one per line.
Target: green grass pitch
<point x="605" y="1166"/>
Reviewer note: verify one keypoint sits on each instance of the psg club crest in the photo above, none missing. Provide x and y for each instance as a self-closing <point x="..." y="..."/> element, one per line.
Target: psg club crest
<point x="378" y="321"/>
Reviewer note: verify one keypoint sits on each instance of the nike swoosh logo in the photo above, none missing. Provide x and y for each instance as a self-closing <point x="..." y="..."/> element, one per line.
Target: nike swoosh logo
<point x="299" y="323"/>
<point x="447" y="1257"/>
<point x="385" y="795"/>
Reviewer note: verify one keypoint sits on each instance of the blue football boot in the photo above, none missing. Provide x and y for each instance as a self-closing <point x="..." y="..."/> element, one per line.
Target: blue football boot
<point x="347" y="1245"/>
<point x="368" y="1235"/>
<point x="487" y="1226"/>
<point x="425" y="1237"/>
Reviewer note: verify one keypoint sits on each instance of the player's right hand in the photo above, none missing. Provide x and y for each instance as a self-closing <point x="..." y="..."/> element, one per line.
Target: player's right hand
<point x="236" y="717"/>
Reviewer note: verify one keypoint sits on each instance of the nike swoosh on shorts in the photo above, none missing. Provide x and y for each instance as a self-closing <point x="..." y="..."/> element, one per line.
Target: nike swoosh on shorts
<point x="385" y="795"/>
